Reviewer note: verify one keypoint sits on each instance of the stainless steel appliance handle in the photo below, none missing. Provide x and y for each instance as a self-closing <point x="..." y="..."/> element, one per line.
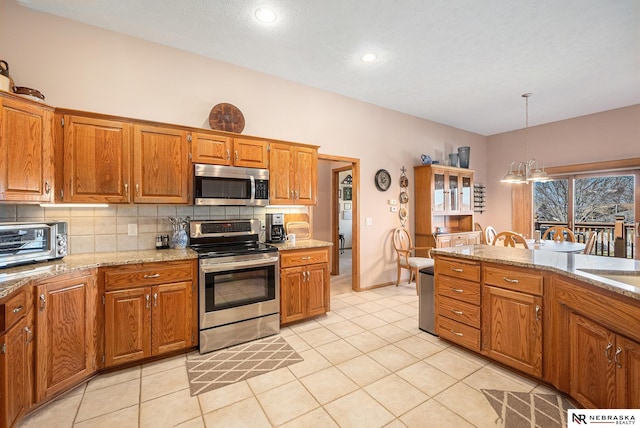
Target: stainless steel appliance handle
<point x="224" y="266"/>
<point x="253" y="188"/>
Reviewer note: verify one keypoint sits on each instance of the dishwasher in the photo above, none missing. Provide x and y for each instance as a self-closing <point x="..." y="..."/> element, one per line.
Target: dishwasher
<point x="426" y="301"/>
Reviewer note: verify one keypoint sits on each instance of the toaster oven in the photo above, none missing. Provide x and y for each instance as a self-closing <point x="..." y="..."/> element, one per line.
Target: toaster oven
<point x="22" y="243"/>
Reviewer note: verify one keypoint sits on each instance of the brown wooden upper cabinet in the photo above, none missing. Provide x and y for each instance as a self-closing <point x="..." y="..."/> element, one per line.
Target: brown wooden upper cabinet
<point x="232" y="151"/>
<point x="26" y="150"/>
<point x="293" y="174"/>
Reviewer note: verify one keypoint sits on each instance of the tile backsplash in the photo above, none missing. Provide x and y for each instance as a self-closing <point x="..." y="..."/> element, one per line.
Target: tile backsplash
<point x="97" y="230"/>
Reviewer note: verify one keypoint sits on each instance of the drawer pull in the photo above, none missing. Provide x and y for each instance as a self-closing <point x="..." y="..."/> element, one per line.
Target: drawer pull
<point x="512" y="281"/>
<point x="456" y="333"/>
<point x="30" y="333"/>
<point x="457" y="269"/>
<point x="305" y="258"/>
<point x="17" y="309"/>
<point x="146" y="297"/>
<point x="155" y="300"/>
<point x="457" y="290"/>
<point x="616" y="357"/>
<point x="43" y="302"/>
<point x="155" y="275"/>
<point x="607" y="352"/>
<point x="537" y="312"/>
<point x="457" y="312"/>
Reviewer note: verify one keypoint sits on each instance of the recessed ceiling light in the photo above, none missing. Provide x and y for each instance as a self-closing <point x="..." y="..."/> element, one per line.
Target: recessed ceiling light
<point x="265" y="15"/>
<point x="369" y="57"/>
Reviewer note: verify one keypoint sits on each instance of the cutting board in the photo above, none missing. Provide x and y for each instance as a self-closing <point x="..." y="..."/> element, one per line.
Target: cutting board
<point x="300" y="228"/>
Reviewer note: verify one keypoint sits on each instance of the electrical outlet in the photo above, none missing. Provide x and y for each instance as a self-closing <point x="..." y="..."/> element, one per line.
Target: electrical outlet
<point x="263" y="226"/>
<point x="132" y="229"/>
<point x="393" y="202"/>
<point x="368" y="221"/>
<point x="393" y="209"/>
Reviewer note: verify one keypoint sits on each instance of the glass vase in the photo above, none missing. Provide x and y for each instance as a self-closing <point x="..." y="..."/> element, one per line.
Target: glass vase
<point x="463" y="156"/>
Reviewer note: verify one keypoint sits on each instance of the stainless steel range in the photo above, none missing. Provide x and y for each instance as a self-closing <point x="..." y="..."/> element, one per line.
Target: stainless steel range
<point x="239" y="283"/>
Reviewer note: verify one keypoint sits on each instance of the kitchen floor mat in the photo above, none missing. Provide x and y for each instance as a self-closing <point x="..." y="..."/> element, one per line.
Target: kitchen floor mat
<point x="220" y="368"/>
<point x="525" y="410"/>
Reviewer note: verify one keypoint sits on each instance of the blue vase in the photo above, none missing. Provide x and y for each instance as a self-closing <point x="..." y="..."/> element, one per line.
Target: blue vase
<point x="463" y="156"/>
<point x="180" y="239"/>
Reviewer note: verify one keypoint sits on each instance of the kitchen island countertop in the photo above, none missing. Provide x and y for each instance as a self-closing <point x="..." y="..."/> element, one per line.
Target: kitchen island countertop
<point x="302" y="244"/>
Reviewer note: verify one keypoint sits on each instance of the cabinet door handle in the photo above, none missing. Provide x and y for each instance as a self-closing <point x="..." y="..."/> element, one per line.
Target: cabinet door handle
<point x="537" y="313"/>
<point x="126" y="189"/>
<point x="228" y="154"/>
<point x="17" y="309"/>
<point x="616" y="357"/>
<point x="155" y="300"/>
<point x="43" y="302"/>
<point x="30" y="333"/>
<point x="457" y="312"/>
<point x="47" y="187"/>
<point x="147" y="299"/>
<point x="607" y="352"/>
<point x="457" y="270"/>
<point x="456" y="333"/>
<point x="155" y="275"/>
<point x="457" y="290"/>
<point x="512" y="281"/>
<point x="236" y="155"/>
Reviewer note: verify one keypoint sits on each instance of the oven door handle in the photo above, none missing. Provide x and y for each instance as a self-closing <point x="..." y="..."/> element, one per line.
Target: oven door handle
<point x="226" y="266"/>
<point x="253" y="189"/>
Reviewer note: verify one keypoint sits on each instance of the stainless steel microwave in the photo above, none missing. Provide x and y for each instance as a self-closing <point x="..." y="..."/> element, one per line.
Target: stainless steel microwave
<point x="229" y="185"/>
<point x="22" y="243"/>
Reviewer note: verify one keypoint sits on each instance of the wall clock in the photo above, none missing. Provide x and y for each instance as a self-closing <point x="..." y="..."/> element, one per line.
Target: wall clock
<point x="383" y="180"/>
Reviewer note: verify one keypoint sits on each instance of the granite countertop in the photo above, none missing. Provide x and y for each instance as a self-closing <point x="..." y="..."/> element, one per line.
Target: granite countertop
<point x="589" y="269"/>
<point x="11" y="279"/>
<point x="302" y="244"/>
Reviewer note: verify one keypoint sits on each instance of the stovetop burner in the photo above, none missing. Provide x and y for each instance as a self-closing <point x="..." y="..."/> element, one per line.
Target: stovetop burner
<point x="222" y="238"/>
<point x="224" y="250"/>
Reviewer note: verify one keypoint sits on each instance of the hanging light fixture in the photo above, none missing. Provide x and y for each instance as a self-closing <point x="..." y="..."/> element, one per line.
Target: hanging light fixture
<point x="528" y="170"/>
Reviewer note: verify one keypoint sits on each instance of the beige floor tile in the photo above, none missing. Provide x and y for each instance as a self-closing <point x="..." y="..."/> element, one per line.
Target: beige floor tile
<point x="493" y="377"/>
<point x="353" y="299"/>
<point x="389" y="315"/>
<point x="468" y="403"/>
<point x="286" y="402"/>
<point x="114" y="378"/>
<point x="368" y="321"/>
<point x="329" y="318"/>
<point x="370" y="307"/>
<point x="286" y="332"/>
<point x="317" y="418"/>
<point x="418" y="347"/>
<point x="169" y="410"/>
<point x="123" y="418"/>
<point x="297" y="343"/>
<point x="338" y="351"/>
<point x="409" y="324"/>
<point x="304" y="326"/>
<point x="427" y="378"/>
<point x="433" y="414"/>
<point x="388" y="302"/>
<point x="328" y="384"/>
<point x="366" y="341"/>
<point x="407" y="310"/>
<point x="396" y="423"/>
<point x="391" y="333"/>
<point x="59" y="413"/>
<point x="270" y="380"/>
<point x="345" y="328"/>
<point x="337" y="303"/>
<point x="363" y="370"/>
<point x="466" y="353"/>
<point x="109" y="399"/>
<point x="193" y="423"/>
<point x="396" y="394"/>
<point x="358" y="410"/>
<point x="162" y="365"/>
<point x="243" y="414"/>
<point x="453" y="364"/>
<point x="163" y="383"/>
<point x="312" y="363"/>
<point x="406" y="298"/>
<point x="221" y="397"/>
<point x="349" y="312"/>
<point x="318" y="336"/>
<point x="393" y="357"/>
<point x="78" y="390"/>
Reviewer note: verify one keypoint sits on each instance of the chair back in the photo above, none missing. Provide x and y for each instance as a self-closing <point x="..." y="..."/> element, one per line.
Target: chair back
<point x="402" y="245"/>
<point x="478" y="228"/>
<point x="557" y="233"/>
<point x="590" y="242"/>
<point x="489" y="235"/>
<point x="510" y="239"/>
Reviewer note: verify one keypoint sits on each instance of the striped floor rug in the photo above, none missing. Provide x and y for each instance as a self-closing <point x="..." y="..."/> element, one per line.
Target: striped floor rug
<point x="220" y="368"/>
<point x="524" y="410"/>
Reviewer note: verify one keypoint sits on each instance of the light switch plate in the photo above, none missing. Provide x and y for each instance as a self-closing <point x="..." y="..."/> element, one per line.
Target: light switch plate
<point x="393" y="209"/>
<point x="368" y="221"/>
<point x="392" y="202"/>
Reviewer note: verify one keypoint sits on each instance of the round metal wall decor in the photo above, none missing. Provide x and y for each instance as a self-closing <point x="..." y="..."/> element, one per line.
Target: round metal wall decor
<point x="226" y="117"/>
<point x="383" y="180"/>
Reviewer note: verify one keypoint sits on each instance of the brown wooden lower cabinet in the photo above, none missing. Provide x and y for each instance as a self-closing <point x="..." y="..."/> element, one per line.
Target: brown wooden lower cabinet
<point x="148" y="320"/>
<point x="304" y="284"/>
<point x="66" y="326"/>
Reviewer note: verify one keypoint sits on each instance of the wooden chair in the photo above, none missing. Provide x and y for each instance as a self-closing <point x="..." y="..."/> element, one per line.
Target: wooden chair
<point x="557" y="233"/>
<point x="478" y="228"/>
<point x="590" y="242"/>
<point x="406" y="260"/>
<point x="489" y="235"/>
<point x="510" y="239"/>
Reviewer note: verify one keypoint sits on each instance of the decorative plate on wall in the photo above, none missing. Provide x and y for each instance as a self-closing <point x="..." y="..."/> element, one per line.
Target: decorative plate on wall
<point x="383" y="180"/>
<point x="404" y="197"/>
<point x="226" y="117"/>
<point x="404" y="181"/>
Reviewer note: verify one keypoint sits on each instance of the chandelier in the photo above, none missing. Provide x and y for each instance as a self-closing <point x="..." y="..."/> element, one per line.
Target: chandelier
<point x="528" y="170"/>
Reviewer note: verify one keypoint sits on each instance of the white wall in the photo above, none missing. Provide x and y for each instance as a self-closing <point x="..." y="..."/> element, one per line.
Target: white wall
<point x="87" y="68"/>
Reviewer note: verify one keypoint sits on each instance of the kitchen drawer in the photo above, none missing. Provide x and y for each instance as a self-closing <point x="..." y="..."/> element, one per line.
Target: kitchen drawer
<point x="12" y="310"/>
<point x="514" y="279"/>
<point x="459" y="269"/>
<point x="458" y="289"/>
<point x="127" y="276"/>
<point x="456" y="310"/>
<point x="459" y="333"/>
<point x="290" y="258"/>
